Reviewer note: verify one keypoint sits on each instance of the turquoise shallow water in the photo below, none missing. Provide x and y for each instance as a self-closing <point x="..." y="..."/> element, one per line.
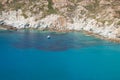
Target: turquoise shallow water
<point x="28" y="55"/>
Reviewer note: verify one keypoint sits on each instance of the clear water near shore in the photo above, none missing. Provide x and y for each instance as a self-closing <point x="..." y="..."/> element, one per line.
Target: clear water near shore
<point x="28" y="55"/>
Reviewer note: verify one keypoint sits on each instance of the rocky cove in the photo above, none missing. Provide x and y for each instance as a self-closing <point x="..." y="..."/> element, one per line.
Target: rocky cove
<point x="102" y="19"/>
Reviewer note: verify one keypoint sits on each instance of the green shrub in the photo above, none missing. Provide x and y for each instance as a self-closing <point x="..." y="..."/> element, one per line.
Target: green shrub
<point x="90" y="7"/>
<point x="1" y="7"/>
<point x="25" y="16"/>
<point x="118" y="23"/>
<point x="51" y="10"/>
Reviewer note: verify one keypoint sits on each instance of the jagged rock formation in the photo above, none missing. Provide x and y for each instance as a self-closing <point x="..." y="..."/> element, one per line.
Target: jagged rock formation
<point x="100" y="17"/>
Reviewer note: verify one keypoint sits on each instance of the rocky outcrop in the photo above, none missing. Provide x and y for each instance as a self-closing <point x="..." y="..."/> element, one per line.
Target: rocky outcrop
<point x="101" y="17"/>
<point x="6" y="27"/>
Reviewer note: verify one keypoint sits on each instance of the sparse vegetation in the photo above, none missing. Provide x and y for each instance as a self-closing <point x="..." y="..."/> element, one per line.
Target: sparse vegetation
<point x="46" y="7"/>
<point x="83" y="12"/>
<point x="18" y="6"/>
<point x="90" y="8"/>
<point x="93" y="7"/>
<point x="117" y="14"/>
<point x="51" y="10"/>
<point x="1" y="7"/>
<point x="25" y="16"/>
<point x="118" y="23"/>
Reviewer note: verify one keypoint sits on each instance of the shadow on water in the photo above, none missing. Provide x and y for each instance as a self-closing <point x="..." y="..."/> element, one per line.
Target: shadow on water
<point x="58" y="41"/>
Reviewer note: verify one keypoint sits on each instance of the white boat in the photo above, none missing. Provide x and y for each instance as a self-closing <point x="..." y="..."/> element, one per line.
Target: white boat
<point x="48" y="37"/>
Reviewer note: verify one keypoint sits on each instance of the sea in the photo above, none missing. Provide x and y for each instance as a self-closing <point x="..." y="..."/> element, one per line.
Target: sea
<point x="31" y="55"/>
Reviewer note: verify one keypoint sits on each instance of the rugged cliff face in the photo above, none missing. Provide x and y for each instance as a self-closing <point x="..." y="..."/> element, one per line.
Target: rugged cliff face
<point x="100" y="17"/>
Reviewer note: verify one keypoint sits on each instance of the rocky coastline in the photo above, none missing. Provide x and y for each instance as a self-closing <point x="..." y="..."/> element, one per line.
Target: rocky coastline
<point x="71" y="16"/>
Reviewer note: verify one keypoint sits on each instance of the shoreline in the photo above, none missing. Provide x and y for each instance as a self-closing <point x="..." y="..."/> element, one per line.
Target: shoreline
<point x="116" y="40"/>
<point x="59" y="23"/>
<point x="10" y="28"/>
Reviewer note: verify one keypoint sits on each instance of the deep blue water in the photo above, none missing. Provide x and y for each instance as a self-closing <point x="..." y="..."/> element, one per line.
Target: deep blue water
<point x="26" y="55"/>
